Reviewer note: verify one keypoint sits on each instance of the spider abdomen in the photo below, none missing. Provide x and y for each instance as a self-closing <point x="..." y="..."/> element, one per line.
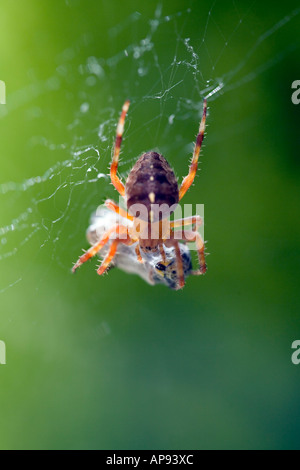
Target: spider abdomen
<point x="151" y="182"/>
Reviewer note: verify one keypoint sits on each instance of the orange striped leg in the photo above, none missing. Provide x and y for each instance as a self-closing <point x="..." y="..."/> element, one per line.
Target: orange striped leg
<point x="113" y="206"/>
<point x="196" y="237"/>
<point x="116" y="230"/>
<point x="111" y="254"/>
<point x="115" y="161"/>
<point x="196" y="221"/>
<point x="188" y="180"/>
<point x="162" y="252"/>
<point x="179" y="266"/>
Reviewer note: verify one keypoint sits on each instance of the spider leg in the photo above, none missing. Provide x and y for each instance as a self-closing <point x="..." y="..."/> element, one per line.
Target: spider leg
<point x="188" y="180"/>
<point x="196" y="237"/>
<point x="171" y="242"/>
<point x="115" y="161"/>
<point x="110" y="256"/>
<point x="179" y="266"/>
<point x="162" y="252"/>
<point x="113" y="206"/>
<point x="196" y="221"/>
<point x="112" y="252"/>
<point x="116" y="230"/>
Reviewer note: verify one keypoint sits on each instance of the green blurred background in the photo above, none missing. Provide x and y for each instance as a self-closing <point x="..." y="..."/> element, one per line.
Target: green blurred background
<point x="112" y="363"/>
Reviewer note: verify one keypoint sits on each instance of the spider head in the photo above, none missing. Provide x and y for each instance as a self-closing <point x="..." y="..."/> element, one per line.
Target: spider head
<point x="149" y="246"/>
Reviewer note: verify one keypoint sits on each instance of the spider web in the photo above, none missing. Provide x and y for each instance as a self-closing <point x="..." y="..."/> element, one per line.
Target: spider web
<point x="50" y="211"/>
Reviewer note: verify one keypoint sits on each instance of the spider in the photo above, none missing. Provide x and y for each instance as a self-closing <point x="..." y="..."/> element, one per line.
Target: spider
<point x="151" y="184"/>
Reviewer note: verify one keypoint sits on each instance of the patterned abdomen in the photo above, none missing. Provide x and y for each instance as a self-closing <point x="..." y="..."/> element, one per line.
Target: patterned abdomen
<point x="151" y="182"/>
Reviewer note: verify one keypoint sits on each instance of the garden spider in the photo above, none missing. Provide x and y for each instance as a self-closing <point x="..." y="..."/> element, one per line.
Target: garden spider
<point x="152" y="194"/>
